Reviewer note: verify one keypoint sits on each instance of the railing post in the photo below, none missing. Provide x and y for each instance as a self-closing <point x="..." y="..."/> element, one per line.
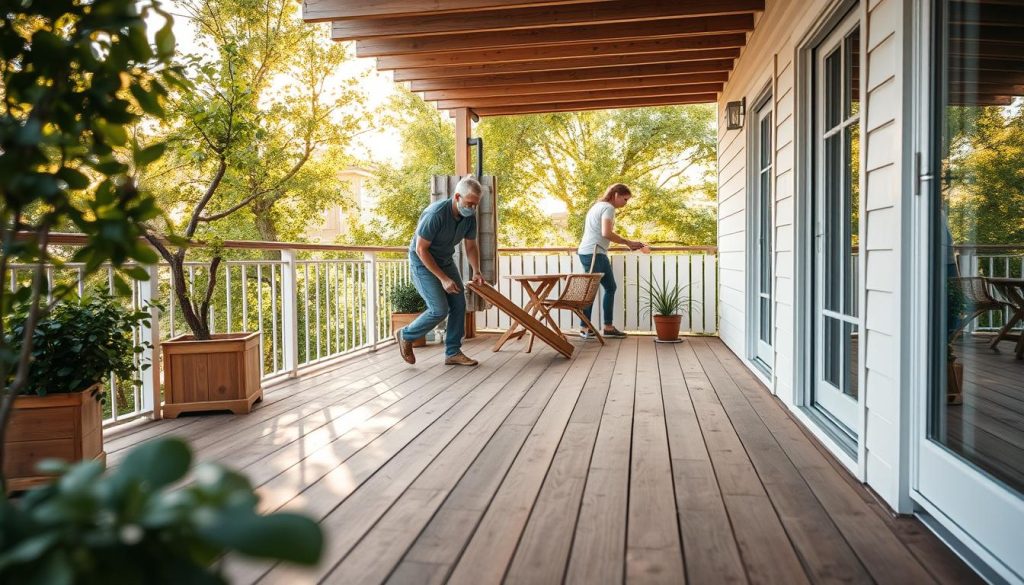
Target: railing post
<point x="371" y="298"/>
<point x="149" y="293"/>
<point x="289" y="318"/>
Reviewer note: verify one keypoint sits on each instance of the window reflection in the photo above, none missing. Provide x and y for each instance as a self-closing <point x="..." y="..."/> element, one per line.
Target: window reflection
<point x="978" y="403"/>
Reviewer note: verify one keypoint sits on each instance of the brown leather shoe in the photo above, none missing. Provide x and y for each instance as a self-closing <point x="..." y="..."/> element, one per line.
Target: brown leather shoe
<point x="404" y="347"/>
<point x="460" y="359"/>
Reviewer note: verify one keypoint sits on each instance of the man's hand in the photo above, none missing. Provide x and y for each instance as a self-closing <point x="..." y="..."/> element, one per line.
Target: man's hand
<point x="450" y="285"/>
<point x="478" y="279"/>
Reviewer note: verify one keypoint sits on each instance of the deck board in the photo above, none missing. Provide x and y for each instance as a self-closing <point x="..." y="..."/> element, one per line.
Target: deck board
<point x="628" y="463"/>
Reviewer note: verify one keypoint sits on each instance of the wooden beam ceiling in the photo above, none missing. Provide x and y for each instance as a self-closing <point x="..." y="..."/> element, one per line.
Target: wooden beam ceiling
<point x="595" y="74"/>
<point x="570" y="86"/>
<point x="615" y="11"/>
<point x="551" y="36"/>
<point x="501" y="57"/>
<point x="559" y="64"/>
<point x="596" y="105"/>
<point x="580" y="96"/>
<point x="559" y="52"/>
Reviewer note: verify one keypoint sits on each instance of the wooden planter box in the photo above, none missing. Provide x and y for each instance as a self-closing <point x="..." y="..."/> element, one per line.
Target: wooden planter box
<point x="399" y="320"/>
<point x="222" y="373"/>
<point x="59" y="426"/>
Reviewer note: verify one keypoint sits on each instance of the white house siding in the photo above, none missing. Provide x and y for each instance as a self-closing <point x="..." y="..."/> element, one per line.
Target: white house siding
<point x="771" y="55"/>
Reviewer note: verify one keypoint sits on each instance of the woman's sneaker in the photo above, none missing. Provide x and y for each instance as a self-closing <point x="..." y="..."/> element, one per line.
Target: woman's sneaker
<point x="614" y="333"/>
<point x="587" y="334"/>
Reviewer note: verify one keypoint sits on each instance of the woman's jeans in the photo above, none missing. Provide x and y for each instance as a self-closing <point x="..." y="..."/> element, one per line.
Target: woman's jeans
<point x="603" y="266"/>
<point x="440" y="304"/>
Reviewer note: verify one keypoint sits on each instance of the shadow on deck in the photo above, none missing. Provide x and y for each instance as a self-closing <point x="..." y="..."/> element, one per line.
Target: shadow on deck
<point x="631" y="462"/>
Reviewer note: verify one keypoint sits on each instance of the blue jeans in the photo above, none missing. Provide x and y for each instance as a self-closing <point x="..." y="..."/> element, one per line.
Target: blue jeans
<point x="440" y="304"/>
<point x="604" y="267"/>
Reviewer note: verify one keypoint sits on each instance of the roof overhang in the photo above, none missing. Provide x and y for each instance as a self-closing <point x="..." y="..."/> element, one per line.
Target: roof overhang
<point x="499" y="57"/>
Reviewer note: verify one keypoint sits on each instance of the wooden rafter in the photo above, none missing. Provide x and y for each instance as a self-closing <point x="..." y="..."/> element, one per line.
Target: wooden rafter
<point x="679" y="27"/>
<point x="571" y="86"/>
<point x="596" y="105"/>
<point x="580" y="96"/>
<point x="617" y="11"/>
<point x="324" y="10"/>
<point x="559" y="52"/>
<point x="574" y="75"/>
<point x="559" y="64"/>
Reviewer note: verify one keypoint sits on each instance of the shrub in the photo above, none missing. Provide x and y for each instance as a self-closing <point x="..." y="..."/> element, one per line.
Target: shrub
<point x="80" y="344"/>
<point x="661" y="299"/>
<point x="405" y="299"/>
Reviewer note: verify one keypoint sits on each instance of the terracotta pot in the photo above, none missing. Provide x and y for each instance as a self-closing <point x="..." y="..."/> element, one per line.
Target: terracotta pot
<point x="954" y="382"/>
<point x="222" y="373"/>
<point x="399" y="320"/>
<point x="66" y="426"/>
<point x="667" y="326"/>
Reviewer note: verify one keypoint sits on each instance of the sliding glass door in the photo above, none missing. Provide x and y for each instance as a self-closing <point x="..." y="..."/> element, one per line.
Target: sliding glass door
<point x="971" y="451"/>
<point x="836" y="213"/>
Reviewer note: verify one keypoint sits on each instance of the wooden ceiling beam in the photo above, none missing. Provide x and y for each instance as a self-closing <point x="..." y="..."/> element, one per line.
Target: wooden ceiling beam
<point x="594" y="74"/>
<point x="678" y="27"/>
<point x="538" y="17"/>
<point x="604" y="84"/>
<point x="575" y="51"/>
<point x="325" y="10"/>
<point x="579" y="96"/>
<point x="562" y="64"/>
<point x="597" y="105"/>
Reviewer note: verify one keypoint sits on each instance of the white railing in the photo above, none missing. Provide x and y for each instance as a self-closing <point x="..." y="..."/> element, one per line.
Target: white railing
<point x="993" y="261"/>
<point x="694" y="269"/>
<point x="315" y="302"/>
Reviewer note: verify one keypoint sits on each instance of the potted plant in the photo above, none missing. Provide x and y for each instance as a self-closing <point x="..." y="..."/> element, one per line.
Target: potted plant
<point x="58" y="413"/>
<point x="664" y="303"/>
<point x="127" y="526"/>
<point x="406" y="305"/>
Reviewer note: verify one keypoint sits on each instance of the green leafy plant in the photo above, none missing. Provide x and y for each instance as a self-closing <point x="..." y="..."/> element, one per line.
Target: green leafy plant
<point x="77" y="79"/>
<point x="126" y="526"/>
<point x="80" y="344"/>
<point x="405" y="298"/>
<point x="658" y="298"/>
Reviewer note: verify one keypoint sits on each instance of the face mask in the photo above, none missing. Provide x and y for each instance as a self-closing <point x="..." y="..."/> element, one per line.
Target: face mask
<point x="465" y="211"/>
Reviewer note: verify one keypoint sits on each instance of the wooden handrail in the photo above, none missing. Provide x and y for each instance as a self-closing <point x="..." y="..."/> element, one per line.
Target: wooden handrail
<point x="989" y="247"/>
<point x="69" y="239"/>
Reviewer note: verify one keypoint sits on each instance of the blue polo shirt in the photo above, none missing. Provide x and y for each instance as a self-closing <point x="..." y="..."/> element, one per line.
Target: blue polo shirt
<point x="444" y="231"/>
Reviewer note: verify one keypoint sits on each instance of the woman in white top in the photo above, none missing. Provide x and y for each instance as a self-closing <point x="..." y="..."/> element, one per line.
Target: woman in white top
<point x="598" y="232"/>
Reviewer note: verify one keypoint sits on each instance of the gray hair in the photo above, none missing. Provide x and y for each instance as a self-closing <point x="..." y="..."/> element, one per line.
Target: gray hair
<point x="469" y="185"/>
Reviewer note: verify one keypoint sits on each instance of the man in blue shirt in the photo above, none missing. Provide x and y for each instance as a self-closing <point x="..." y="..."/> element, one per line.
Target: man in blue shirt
<point x="441" y="227"/>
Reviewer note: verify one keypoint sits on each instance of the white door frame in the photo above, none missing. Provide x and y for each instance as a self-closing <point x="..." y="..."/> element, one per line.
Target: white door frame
<point x="977" y="515"/>
<point x="760" y="354"/>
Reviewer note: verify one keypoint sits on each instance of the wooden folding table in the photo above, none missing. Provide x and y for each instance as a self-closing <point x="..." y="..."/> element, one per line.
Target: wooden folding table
<point x="522" y="318"/>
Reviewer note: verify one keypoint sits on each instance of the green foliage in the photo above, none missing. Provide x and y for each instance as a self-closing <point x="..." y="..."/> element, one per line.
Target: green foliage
<point x="666" y="155"/>
<point x="80" y="344"/>
<point x="405" y="298"/>
<point x="75" y="78"/>
<point x="126" y="526"/>
<point x="659" y="298"/>
<point x="983" y="182"/>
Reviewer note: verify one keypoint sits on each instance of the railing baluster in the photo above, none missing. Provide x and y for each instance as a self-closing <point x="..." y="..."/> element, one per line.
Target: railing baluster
<point x="316" y="268"/>
<point x="305" y="306"/>
<point x="259" y="313"/>
<point x="273" y="315"/>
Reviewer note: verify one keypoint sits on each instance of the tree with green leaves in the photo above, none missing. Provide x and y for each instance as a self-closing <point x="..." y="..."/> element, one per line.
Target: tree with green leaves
<point x="666" y="155"/>
<point x="76" y="77"/>
<point x="260" y="134"/>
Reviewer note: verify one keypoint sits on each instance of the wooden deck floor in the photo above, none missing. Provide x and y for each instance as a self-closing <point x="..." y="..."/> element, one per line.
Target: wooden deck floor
<point x="633" y="462"/>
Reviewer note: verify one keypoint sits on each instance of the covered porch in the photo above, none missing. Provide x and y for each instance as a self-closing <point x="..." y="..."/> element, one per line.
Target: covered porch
<point x="633" y="462"/>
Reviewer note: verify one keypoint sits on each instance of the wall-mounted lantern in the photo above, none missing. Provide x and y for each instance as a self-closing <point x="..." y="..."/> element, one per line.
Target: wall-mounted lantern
<point x="734" y="113"/>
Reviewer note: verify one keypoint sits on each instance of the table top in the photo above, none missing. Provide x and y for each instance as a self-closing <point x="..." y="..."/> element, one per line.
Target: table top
<point x="536" y="277"/>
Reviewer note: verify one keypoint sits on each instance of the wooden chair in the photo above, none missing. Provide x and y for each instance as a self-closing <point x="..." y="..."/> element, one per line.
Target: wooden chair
<point x="578" y="292"/>
<point x="977" y="298"/>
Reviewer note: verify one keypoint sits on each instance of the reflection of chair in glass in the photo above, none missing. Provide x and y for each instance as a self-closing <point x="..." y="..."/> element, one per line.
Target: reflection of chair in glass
<point x="579" y="292"/>
<point x="977" y="300"/>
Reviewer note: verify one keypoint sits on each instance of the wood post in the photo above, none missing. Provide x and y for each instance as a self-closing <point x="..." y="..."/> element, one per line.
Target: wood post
<point x="463" y="131"/>
<point x="149" y="294"/>
<point x="290" y="310"/>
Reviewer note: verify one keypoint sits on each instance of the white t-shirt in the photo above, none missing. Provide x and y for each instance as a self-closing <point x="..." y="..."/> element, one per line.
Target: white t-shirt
<point x="592" y="228"/>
